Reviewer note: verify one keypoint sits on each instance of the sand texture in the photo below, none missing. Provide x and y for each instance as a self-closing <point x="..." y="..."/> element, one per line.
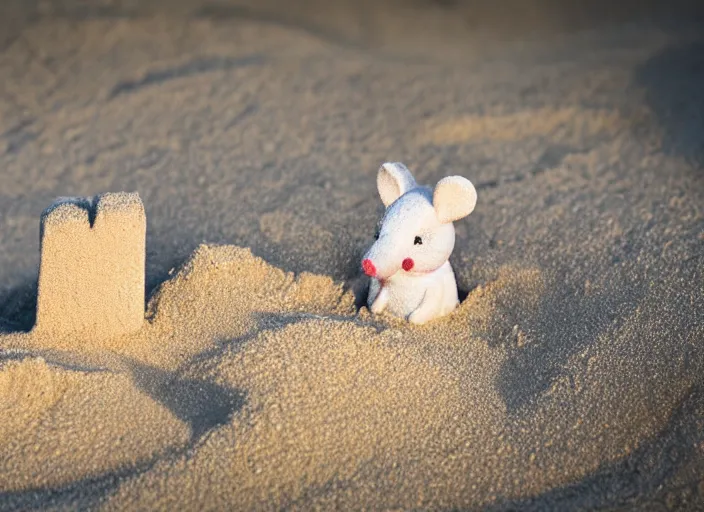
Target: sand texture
<point x="233" y="367"/>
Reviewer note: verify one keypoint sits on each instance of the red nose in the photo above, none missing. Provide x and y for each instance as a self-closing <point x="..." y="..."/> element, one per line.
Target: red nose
<point x="407" y="264"/>
<point x="369" y="268"/>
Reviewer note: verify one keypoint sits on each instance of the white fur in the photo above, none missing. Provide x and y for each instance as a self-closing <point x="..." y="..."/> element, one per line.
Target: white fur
<point x="428" y="290"/>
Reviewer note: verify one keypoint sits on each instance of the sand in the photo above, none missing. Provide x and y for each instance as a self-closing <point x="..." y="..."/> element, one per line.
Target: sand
<point x="570" y="378"/>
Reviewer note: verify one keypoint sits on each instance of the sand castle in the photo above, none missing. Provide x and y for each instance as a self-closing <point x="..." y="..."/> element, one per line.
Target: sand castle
<point x="91" y="275"/>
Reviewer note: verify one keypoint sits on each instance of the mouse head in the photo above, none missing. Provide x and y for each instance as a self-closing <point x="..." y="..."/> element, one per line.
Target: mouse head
<point x="416" y="234"/>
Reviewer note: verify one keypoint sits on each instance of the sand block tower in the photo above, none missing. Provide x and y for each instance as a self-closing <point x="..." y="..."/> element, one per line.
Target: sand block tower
<point x="91" y="275"/>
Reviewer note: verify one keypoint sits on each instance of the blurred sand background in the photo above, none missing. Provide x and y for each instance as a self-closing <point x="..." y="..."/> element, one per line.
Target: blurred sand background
<point x="571" y="378"/>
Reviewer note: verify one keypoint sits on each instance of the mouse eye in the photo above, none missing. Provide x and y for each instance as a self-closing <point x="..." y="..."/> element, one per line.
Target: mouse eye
<point x="418" y="241"/>
<point x="376" y="234"/>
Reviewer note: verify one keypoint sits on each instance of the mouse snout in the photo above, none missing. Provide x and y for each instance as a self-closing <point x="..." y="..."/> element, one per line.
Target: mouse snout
<point x="368" y="267"/>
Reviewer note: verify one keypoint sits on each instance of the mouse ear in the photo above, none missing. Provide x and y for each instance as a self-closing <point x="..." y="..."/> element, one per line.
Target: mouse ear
<point x="454" y="198"/>
<point x="393" y="180"/>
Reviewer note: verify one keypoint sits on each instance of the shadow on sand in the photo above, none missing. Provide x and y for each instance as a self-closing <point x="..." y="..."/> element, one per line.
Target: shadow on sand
<point x="18" y="308"/>
<point x="644" y="477"/>
<point x="202" y="405"/>
<point x="674" y="84"/>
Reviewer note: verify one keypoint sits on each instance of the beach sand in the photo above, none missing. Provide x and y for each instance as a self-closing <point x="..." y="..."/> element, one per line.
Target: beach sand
<point x="570" y="377"/>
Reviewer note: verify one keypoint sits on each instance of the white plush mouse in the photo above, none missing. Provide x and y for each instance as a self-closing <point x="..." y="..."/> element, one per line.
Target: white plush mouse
<point x="411" y="275"/>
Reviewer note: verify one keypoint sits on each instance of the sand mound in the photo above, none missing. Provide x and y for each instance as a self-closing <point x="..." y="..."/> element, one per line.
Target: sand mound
<point x="251" y="387"/>
<point x="299" y="391"/>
